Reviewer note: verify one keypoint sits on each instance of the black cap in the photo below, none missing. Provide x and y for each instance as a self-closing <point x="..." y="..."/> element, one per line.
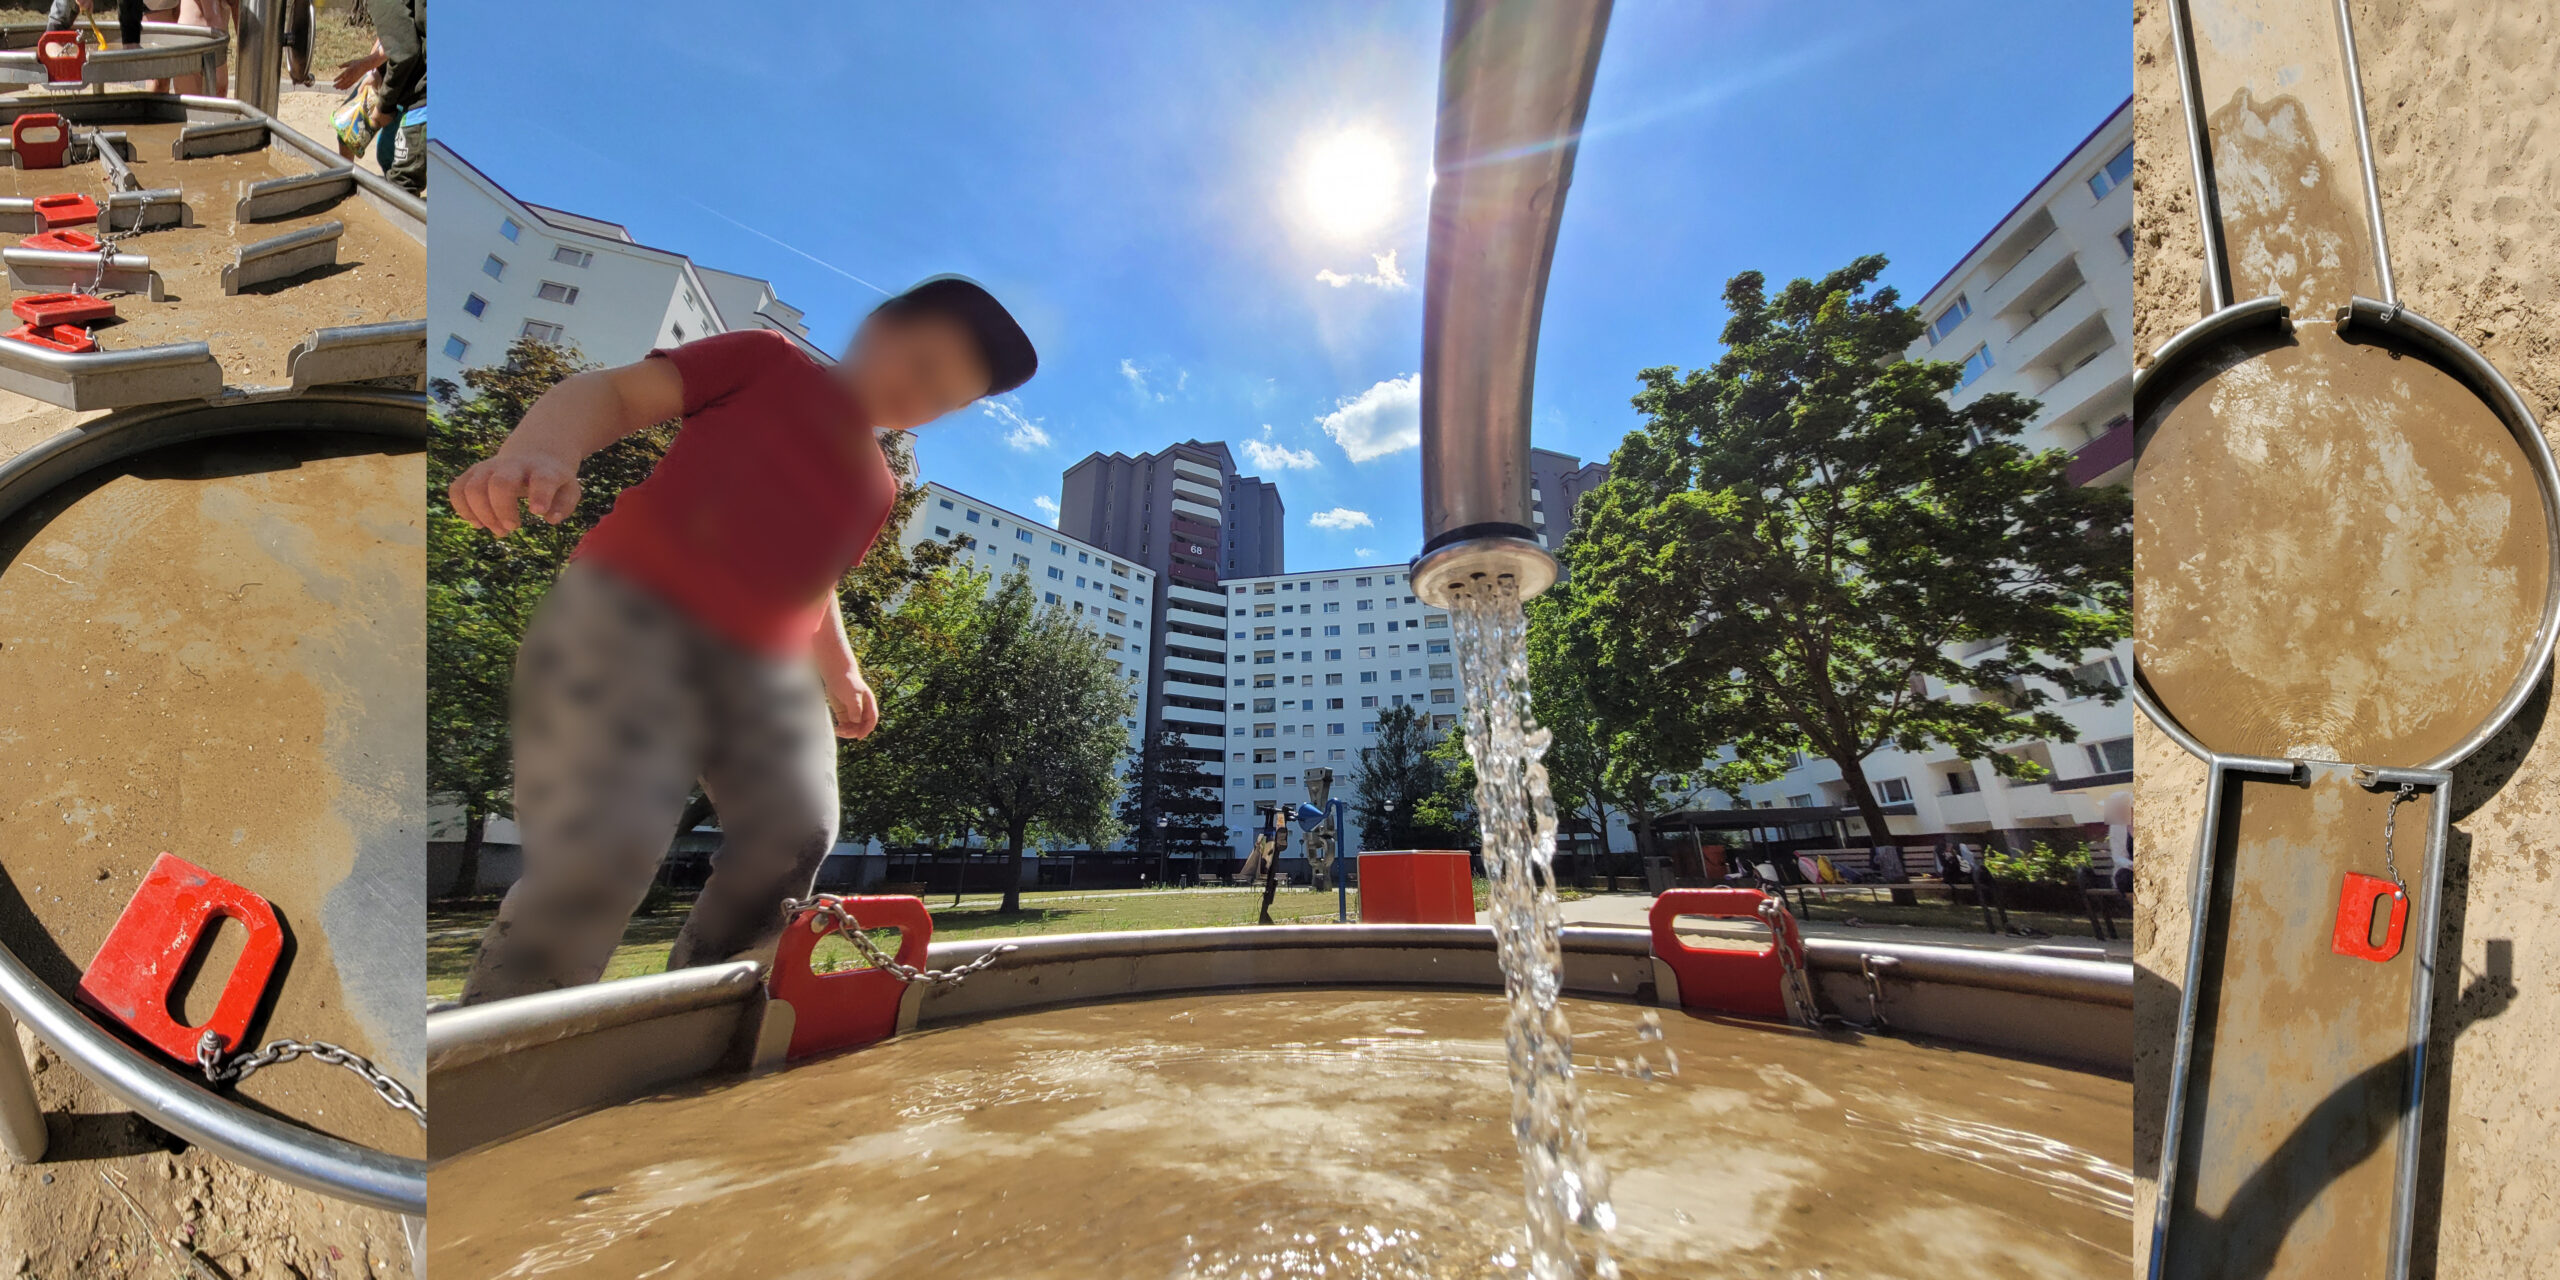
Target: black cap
<point x="1001" y="341"/>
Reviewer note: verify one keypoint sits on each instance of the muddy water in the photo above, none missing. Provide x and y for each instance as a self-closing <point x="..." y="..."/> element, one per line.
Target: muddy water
<point x="193" y="658"/>
<point x="380" y="275"/>
<point x="1361" y="1135"/>
<point x="2342" y="552"/>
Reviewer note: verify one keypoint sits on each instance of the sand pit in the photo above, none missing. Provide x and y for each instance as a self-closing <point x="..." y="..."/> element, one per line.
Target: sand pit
<point x="200" y="652"/>
<point x="2464" y="101"/>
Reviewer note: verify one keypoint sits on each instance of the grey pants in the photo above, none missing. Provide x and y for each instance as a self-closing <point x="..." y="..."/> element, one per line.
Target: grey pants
<point x="621" y="703"/>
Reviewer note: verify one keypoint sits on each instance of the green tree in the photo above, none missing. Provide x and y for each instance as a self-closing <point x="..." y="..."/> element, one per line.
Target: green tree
<point x="1028" y="726"/>
<point x="1169" y="782"/>
<point x="1450" y="806"/>
<point x="1808" y="531"/>
<point x="911" y="655"/>
<point x="1397" y="776"/>
<point x="1628" y="737"/>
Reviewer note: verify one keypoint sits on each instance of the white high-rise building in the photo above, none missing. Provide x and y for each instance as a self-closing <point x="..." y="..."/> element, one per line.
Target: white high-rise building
<point x="1312" y="660"/>
<point x="2042" y="307"/>
<point x="1105" y="592"/>
<point x="499" y="269"/>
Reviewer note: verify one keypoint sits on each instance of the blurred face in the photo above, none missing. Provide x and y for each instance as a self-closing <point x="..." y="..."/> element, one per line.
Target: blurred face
<point x="910" y="370"/>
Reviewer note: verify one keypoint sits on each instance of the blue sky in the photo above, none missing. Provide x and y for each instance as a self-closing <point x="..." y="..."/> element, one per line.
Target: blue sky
<point x="1133" y="179"/>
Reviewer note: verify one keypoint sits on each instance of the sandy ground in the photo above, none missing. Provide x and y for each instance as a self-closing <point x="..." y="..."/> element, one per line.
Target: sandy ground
<point x="2465" y="106"/>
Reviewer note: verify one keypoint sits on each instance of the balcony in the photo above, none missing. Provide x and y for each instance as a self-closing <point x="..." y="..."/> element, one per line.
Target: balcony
<point x="1190" y="469"/>
<point x="2063" y="317"/>
<point x="2100" y="460"/>
<point x="1203" y="512"/>
<point x="2096" y="391"/>
<point x="1195" y="666"/>
<point x="2047" y="254"/>
<point x="1204" y="494"/>
<point x="1184" y="529"/>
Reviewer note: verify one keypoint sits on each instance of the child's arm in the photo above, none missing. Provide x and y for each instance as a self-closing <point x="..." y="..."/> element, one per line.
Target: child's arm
<point x="539" y="462"/>
<point x="857" y="710"/>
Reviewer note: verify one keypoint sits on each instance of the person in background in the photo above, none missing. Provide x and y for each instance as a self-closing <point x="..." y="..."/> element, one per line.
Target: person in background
<point x="399" y="65"/>
<point x="294" y="27"/>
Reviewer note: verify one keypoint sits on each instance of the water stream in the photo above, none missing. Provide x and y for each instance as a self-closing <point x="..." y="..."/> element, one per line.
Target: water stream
<point x="1567" y="1190"/>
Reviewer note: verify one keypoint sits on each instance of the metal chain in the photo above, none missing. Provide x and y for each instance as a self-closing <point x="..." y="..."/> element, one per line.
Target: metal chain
<point x="1798" y="985"/>
<point x="2390" y="820"/>
<point x="108" y="236"/>
<point x="242" y="1066"/>
<point x="829" y="909"/>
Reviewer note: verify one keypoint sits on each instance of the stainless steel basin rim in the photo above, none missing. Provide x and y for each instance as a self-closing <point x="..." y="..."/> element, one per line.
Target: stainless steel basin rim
<point x="163" y="1095"/>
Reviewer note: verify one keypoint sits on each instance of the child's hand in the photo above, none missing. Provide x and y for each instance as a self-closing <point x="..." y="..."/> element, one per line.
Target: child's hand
<point x="857" y="711"/>
<point x="486" y="495"/>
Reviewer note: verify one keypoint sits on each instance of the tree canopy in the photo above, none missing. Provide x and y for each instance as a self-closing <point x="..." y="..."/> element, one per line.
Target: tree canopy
<point x="1808" y="532"/>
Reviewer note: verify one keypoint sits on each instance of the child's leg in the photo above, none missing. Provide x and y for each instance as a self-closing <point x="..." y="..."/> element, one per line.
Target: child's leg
<point x="770" y="769"/>
<point x="607" y="736"/>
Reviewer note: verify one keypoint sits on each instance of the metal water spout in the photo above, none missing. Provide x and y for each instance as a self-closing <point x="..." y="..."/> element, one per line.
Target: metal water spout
<point x="1515" y="80"/>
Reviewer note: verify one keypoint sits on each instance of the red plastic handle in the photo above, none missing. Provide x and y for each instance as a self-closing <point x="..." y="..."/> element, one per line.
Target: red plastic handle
<point x="846" y="1010"/>
<point x="62" y="55"/>
<point x="65" y="338"/>
<point x="2354" y="933"/>
<point x="1749" y="983"/>
<point x="40" y="140"/>
<point x="136" y="969"/>
<point x="65" y="210"/>
<point x="61" y="241"/>
<point x="43" y="309"/>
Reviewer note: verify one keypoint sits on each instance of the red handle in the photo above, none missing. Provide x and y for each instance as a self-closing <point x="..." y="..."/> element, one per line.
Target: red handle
<point x="136" y="970"/>
<point x="1719" y="980"/>
<point x="832" y="1011"/>
<point x="40" y="140"/>
<point x="2353" y="935"/>
<point x="63" y="55"/>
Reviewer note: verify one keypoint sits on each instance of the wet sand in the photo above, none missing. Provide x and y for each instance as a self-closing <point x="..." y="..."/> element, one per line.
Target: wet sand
<point x="198" y="655"/>
<point x="1278" y="1134"/>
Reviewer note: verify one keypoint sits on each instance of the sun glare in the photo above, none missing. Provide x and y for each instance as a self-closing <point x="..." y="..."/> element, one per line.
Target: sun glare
<point x="1347" y="185"/>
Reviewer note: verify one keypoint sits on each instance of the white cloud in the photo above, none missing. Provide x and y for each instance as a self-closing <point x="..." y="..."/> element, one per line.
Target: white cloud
<point x="1384" y="419"/>
<point x="1026" y="434"/>
<point x="1137" y="373"/>
<point x="1364" y="552"/>
<point x="1268" y="456"/>
<point x="1342" y="518"/>
<point x="1046" y="506"/>
<point x="1388" y="276"/>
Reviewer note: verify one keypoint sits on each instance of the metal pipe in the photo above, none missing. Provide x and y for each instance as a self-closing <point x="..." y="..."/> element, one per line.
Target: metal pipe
<point x="2364" y="152"/>
<point x="1515" y="82"/>
<point x="2217" y="259"/>
<point x="254" y="79"/>
<point x="22" y="1132"/>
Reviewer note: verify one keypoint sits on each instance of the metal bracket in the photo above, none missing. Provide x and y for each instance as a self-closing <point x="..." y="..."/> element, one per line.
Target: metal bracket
<point x="119" y="174"/>
<point x="110" y="379"/>
<point x="361" y="353"/>
<point x="282" y="256"/>
<point x="285" y="197"/>
<point x="219" y="138"/>
<point x="146" y="210"/>
<point x="48" y="270"/>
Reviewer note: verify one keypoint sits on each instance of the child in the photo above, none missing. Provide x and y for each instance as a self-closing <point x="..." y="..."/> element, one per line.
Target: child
<point x="695" y="628"/>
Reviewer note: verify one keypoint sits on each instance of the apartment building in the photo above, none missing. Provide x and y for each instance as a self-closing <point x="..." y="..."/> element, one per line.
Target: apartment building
<point x="1106" y="592"/>
<point x="1184" y="514"/>
<point x="500" y="268"/>
<point x="1312" y="660"/>
<point x="2043" y="307"/>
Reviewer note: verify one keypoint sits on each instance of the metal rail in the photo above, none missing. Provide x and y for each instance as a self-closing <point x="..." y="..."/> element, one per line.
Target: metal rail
<point x="167" y="50"/>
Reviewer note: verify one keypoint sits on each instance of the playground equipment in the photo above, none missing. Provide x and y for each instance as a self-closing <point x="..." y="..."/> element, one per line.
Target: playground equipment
<point x="58" y="60"/>
<point x="267" y="241"/>
<point x="2331" y="662"/>
<point x="1055" y="1018"/>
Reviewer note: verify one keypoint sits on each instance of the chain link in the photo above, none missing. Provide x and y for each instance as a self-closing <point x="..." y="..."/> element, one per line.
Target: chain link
<point x="242" y="1066"/>
<point x="108" y="236"/>
<point x="1797" y="983"/>
<point x="2390" y="822"/>
<point x="829" y="909"/>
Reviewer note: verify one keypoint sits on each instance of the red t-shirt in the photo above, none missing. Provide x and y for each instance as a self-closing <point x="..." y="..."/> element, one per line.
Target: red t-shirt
<point x="774" y="487"/>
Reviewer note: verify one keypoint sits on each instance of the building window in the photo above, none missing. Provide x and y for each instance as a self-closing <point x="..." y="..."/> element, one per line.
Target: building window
<point x="2104" y="672"/>
<point x="573" y="257"/>
<point x="1022" y="535"/>
<point x="2115" y="755"/>
<point x="554" y="291"/>
<point x="2124" y="240"/>
<point x="1893" y="791"/>
<point x="510" y="230"/>
<point x="475" y="305"/>
<point x="454" y="346"/>
<point x="1975" y="365"/>
<point x="494" y="267"/>
<point x="2114" y="174"/>
<point x="1948" y="319"/>
<point x="1961" y="782"/>
<point x="1444" y="696"/>
<point x="540" y="332"/>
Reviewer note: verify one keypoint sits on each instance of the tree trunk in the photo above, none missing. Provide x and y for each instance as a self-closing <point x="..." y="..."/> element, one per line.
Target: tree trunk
<point x="1013" y="871"/>
<point x="1853" y="773"/>
<point x="475" y="830"/>
<point x="1608" y="864"/>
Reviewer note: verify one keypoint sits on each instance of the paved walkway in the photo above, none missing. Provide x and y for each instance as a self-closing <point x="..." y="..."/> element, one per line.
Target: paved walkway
<point x="1635" y="909"/>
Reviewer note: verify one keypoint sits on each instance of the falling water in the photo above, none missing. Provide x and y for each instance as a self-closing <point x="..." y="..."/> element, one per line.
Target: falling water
<point x="1568" y="1192"/>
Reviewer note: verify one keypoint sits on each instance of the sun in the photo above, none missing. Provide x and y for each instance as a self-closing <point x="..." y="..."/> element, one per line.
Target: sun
<point x="1347" y="182"/>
